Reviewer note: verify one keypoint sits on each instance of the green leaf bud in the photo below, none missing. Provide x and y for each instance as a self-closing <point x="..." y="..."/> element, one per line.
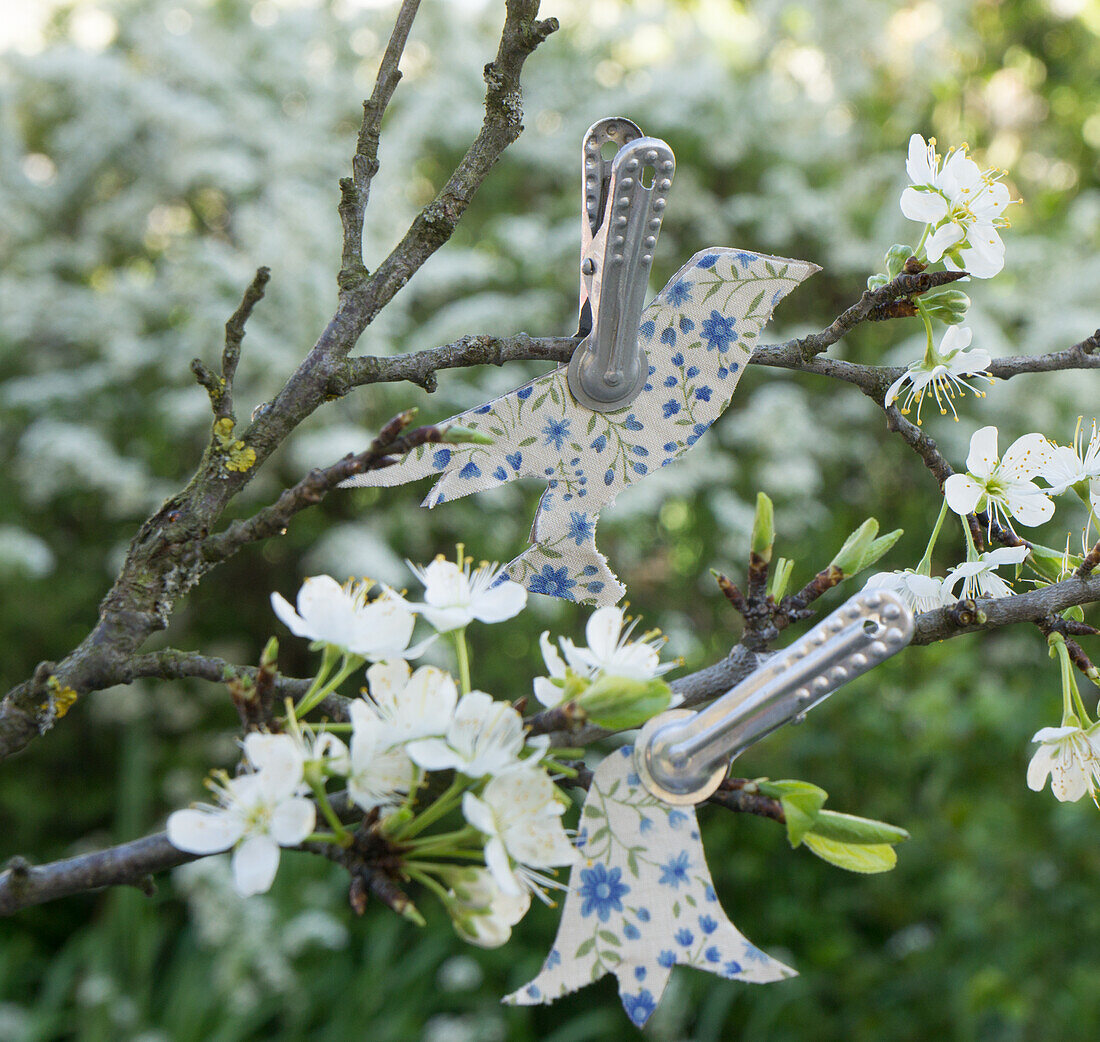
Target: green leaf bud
<point x="619" y="702"/>
<point x="763" y="527"/>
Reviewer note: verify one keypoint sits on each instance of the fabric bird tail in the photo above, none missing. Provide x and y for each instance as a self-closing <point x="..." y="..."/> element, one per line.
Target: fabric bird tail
<point x="563" y="560"/>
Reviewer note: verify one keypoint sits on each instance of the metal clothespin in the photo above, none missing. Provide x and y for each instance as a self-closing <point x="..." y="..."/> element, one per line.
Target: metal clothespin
<point x="682" y="756"/>
<point x="623" y="205"/>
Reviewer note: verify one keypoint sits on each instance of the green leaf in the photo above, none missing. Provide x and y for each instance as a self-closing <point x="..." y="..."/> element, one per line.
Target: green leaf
<point x="591" y="423"/>
<point x="592" y="811"/>
<point x="457" y="434"/>
<point x="802" y="802"/>
<point x="715" y="287"/>
<point x="632" y="863"/>
<point x="853" y="857"/>
<point x="880" y="546"/>
<point x="755" y="302"/>
<point x="763" y="527"/>
<point x="527" y="441"/>
<point x="847" y="828"/>
<point x="585" y="948"/>
<point x="609" y="938"/>
<point x="849" y="558"/>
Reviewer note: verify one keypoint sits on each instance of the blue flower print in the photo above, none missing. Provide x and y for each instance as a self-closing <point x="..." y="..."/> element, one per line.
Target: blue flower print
<point x="671" y="381"/>
<point x="745" y="258"/>
<point x="669" y="336"/>
<point x="595" y="587"/>
<point x="712" y="954"/>
<point x="685" y="937"/>
<point x="582" y="838"/>
<point x="708" y="261"/>
<point x="639" y="468"/>
<point x="533" y="991"/>
<point x="723" y="372"/>
<point x="590" y="569"/>
<point x="692" y="372"/>
<point x="731" y="969"/>
<point x="675" y="871"/>
<point x="703" y="393"/>
<point x="686" y="325"/>
<point x="580" y="528"/>
<point x="481" y="410"/>
<point x="754" y="954"/>
<point x="553" y="959"/>
<point x="631" y="932"/>
<point x="554" y="582"/>
<point x="555" y="432"/>
<point x="707" y="924"/>
<point x="670" y="408"/>
<point x="639" y="973"/>
<point x="514" y="459"/>
<point x="626" y="751"/>
<point x="609" y="476"/>
<point x="646" y="329"/>
<point x="677" y="359"/>
<point x="500" y="474"/>
<point x="718" y="331"/>
<point x="600" y="443"/>
<point x="643" y="915"/>
<point x="679" y="292"/>
<point x="631" y="423"/>
<point x="602" y="891"/>
<point x="441" y="459"/>
<point x="633" y="779"/>
<point x="666" y="959"/>
<point x="471" y="470"/>
<point x="644" y="824"/>
<point x="639" y="450"/>
<point x="524" y="393"/>
<point x="709" y="894"/>
<point x="676" y="818"/>
<point x="670" y="446"/>
<point x="639" y="1008"/>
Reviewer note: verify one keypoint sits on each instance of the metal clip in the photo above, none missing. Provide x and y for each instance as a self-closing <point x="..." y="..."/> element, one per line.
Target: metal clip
<point x="682" y="756"/>
<point x="621" y="219"/>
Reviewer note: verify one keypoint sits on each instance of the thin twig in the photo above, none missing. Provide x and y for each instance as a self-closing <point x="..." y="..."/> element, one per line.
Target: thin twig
<point x="355" y="190"/>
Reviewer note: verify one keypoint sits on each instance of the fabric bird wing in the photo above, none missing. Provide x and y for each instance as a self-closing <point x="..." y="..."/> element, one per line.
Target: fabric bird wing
<point x="510" y="421"/>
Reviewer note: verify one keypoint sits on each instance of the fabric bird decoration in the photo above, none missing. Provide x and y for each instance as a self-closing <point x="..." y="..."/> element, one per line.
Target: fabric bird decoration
<point x="674" y="366"/>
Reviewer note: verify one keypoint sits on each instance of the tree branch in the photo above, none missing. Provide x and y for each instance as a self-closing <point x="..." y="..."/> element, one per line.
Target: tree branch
<point x="355" y="190"/>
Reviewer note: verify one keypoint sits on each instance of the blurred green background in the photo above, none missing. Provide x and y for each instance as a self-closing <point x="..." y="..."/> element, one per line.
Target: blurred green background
<point x="153" y="153"/>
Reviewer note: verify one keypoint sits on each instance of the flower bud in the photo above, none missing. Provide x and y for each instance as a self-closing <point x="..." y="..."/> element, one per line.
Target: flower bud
<point x="895" y="259"/>
<point x="763" y="527"/>
<point x="948" y="305"/>
<point x="481" y="913"/>
<point x="618" y="702"/>
<point x="456" y="434"/>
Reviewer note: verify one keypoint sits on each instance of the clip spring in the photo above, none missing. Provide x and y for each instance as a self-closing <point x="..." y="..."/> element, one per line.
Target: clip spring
<point x="682" y="756"/>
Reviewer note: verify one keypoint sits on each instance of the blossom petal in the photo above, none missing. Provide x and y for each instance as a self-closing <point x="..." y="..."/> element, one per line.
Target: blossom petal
<point x="200" y="831"/>
<point x="982" y="458"/>
<point x="1026" y="457"/>
<point x="962" y="493"/>
<point x="942" y="239"/>
<point x="500" y="602"/>
<point x="288" y="616"/>
<point x="278" y="760"/>
<point x="602" y="631"/>
<point x="1040" y="765"/>
<point x="924" y="205"/>
<point x="478" y="814"/>
<point x="496" y="860"/>
<point x="895" y="388"/>
<point x="1030" y="509"/>
<point x="446" y="619"/>
<point x="433" y="754"/>
<point x="547" y="692"/>
<point x="255" y="863"/>
<point x="292" y="820"/>
<point x="550" y="656"/>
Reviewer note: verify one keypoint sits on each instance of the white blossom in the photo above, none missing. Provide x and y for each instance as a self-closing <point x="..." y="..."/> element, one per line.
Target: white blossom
<point x="963" y="204"/>
<point x="940" y="374"/>
<point x="1070" y="756"/>
<point x="920" y="592"/>
<point x="381" y="771"/>
<point x="411" y="707"/>
<point x="342" y="616"/>
<point x="1002" y="486"/>
<point x="482" y="737"/>
<point x="256" y="813"/>
<point x="481" y="912"/>
<point x="1076" y="464"/>
<point x="519" y="814"/>
<point x="453" y="597"/>
<point x="979" y="576"/>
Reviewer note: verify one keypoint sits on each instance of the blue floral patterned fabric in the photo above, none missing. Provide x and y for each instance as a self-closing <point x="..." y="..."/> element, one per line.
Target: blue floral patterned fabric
<point x="699" y="333"/>
<point x="641" y="903"/>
